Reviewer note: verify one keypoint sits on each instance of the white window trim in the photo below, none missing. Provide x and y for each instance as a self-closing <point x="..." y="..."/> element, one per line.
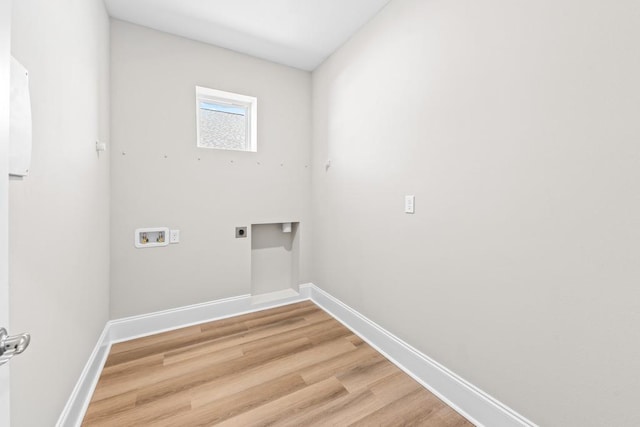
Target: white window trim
<point x="234" y="99"/>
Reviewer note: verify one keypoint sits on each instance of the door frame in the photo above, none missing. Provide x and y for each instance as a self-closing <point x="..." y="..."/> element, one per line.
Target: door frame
<point x="5" y="85"/>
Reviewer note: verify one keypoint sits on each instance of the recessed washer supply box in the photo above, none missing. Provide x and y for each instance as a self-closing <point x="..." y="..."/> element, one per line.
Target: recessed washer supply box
<point x="151" y="237"/>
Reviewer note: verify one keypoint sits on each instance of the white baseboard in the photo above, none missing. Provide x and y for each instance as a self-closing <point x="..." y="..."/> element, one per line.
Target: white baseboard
<point x="161" y="321"/>
<point x="471" y="402"/>
<point x="78" y="402"/>
<point x="147" y="324"/>
<point x="475" y="405"/>
<point x="273" y="296"/>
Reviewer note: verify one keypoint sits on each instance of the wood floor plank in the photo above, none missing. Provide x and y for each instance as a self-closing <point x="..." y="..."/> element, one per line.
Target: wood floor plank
<point x="447" y="418"/>
<point x="341" y="411"/>
<point x="274" y="369"/>
<point x="341" y="363"/>
<point x="409" y="410"/>
<point x="253" y="334"/>
<point x="209" y="373"/>
<point x="291" y="308"/>
<point x="394" y="387"/>
<point x="147" y="377"/>
<point x="287" y="406"/>
<point x="191" y="335"/>
<point x="310" y="332"/>
<point x="317" y="316"/>
<point x="238" y="339"/>
<point x="210" y="352"/>
<point x="366" y="373"/>
<point x="106" y="409"/>
<point x="137" y="343"/>
<point x="236" y="404"/>
<point x="356" y="340"/>
<point x="143" y="415"/>
<point x="298" y="312"/>
<point x="289" y="366"/>
<point x="132" y="366"/>
<point x="161" y="346"/>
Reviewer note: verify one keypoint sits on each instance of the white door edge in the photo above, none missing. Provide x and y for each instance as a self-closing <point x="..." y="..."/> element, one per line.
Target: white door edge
<point x="5" y="55"/>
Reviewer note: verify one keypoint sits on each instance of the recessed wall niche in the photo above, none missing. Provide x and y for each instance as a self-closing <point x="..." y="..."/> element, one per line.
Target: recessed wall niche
<point x="274" y="258"/>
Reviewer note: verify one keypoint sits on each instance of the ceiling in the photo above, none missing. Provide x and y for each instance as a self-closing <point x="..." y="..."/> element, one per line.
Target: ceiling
<point x="298" y="33"/>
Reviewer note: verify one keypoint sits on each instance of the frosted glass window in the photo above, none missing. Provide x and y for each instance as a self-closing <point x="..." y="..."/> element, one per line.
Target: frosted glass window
<point x="226" y="121"/>
<point x="223" y="127"/>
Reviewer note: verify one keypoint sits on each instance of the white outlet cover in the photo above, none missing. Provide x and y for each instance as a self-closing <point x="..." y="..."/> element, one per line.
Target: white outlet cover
<point x="174" y="236"/>
<point x="409" y="204"/>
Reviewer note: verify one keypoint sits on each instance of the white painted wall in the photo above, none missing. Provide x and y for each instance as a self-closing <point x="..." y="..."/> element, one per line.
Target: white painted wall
<point x="59" y="214"/>
<point x="516" y="126"/>
<point x="160" y="178"/>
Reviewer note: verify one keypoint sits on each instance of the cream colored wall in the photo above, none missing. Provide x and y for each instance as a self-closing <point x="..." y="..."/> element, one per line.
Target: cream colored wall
<point x="59" y="214"/>
<point x="516" y="126"/>
<point x="160" y="178"/>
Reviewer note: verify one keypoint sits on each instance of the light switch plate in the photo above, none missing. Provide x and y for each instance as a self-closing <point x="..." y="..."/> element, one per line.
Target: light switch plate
<point x="409" y="204"/>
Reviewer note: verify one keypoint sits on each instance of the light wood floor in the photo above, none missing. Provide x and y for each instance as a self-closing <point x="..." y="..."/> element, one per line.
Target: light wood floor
<point x="288" y="366"/>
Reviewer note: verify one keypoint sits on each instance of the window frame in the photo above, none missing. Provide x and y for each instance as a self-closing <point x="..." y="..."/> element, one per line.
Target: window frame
<point x="250" y="103"/>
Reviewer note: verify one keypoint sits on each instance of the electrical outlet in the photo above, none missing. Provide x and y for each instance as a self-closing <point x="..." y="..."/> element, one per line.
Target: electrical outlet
<point x="174" y="236"/>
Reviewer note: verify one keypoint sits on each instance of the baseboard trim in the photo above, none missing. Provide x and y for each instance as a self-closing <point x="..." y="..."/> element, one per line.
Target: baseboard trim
<point x="468" y="400"/>
<point x="148" y="324"/>
<point x="161" y="321"/>
<point x="475" y="405"/>
<point x="78" y="402"/>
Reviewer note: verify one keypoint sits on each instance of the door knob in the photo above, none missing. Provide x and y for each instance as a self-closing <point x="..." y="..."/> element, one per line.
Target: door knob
<point x="12" y="345"/>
